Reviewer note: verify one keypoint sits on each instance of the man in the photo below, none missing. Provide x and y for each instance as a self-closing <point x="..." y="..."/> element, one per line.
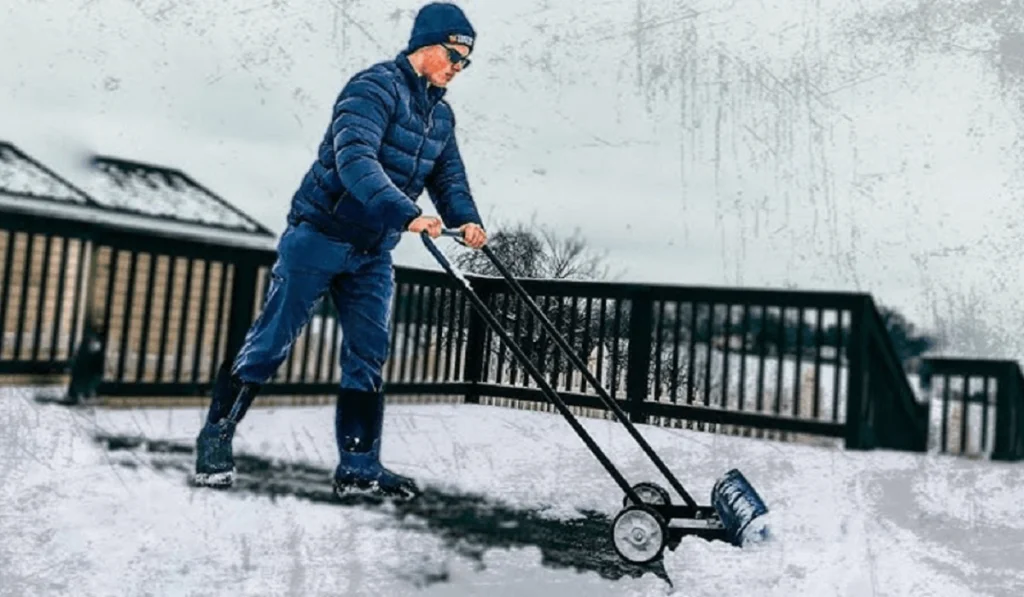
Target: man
<point x="391" y="137"/>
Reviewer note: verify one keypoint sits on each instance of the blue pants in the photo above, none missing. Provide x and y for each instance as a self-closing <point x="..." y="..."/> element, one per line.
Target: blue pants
<point x="360" y="284"/>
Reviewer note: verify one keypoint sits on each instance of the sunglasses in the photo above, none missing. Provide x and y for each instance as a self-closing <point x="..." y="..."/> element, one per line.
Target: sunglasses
<point x="456" y="58"/>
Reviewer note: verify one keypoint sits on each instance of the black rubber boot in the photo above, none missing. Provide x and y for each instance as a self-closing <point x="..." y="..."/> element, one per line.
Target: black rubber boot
<point x="358" y="420"/>
<point x="215" y="464"/>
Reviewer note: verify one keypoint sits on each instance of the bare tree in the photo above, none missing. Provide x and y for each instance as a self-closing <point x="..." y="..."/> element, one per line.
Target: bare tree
<point x="531" y="250"/>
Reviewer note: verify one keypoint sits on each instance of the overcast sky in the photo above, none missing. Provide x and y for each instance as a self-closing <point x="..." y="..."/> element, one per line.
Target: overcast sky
<point x="761" y="144"/>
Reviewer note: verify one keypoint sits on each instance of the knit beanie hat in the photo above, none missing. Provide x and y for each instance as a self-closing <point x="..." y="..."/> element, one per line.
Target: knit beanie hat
<point x="438" y="23"/>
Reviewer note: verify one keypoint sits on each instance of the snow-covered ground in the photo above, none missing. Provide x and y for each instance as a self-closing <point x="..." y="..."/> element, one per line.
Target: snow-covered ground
<point x="74" y="521"/>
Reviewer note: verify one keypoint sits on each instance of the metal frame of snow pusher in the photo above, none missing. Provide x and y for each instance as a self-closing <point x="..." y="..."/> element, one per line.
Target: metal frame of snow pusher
<point x="648" y="521"/>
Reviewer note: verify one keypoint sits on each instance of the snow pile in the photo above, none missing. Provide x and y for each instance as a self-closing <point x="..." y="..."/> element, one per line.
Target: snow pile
<point x="846" y="524"/>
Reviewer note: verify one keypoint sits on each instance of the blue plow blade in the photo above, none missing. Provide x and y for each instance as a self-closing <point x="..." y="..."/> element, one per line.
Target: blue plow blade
<point x="740" y="509"/>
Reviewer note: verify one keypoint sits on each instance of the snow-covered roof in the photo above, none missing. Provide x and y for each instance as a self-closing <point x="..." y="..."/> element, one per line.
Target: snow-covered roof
<point x="164" y="192"/>
<point x="127" y="195"/>
<point x="23" y="176"/>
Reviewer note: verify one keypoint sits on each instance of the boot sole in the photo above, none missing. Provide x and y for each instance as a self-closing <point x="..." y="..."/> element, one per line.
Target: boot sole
<point x="215" y="480"/>
<point x="374" y="491"/>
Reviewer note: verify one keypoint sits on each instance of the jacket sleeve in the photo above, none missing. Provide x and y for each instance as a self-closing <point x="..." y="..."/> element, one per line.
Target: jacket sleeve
<point x="449" y="188"/>
<point x="361" y="116"/>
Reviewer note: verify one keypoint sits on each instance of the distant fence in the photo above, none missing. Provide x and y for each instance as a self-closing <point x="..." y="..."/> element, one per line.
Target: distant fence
<point x="133" y="314"/>
<point x="41" y="286"/>
<point x="714" y="358"/>
<point x="978" y="407"/>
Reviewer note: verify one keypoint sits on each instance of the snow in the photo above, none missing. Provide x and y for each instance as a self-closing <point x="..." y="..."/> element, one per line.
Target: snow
<point x="20" y="175"/>
<point x="160" y="192"/>
<point x="462" y="278"/>
<point x="845" y="523"/>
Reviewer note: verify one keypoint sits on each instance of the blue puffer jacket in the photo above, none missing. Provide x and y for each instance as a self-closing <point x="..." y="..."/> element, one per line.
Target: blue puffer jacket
<point x="390" y="139"/>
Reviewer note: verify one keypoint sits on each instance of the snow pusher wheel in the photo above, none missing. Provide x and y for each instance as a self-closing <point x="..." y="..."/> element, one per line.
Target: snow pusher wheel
<point x="740" y="508"/>
<point x="639" y="534"/>
<point x="649" y="493"/>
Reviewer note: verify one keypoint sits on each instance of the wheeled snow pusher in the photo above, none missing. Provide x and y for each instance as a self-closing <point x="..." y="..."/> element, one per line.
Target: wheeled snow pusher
<point x="648" y="520"/>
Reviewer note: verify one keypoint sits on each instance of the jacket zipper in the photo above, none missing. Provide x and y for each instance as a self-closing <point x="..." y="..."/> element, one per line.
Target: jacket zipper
<point x="419" y="149"/>
<point x="337" y="204"/>
<point x="415" y="164"/>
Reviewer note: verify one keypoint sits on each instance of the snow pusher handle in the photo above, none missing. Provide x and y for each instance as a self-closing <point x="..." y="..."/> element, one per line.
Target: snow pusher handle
<point x="602" y="393"/>
<point x="574" y="358"/>
<point x="640" y="531"/>
<point x="549" y="392"/>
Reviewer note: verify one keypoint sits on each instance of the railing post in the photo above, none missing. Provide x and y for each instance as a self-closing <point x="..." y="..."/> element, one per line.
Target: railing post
<point x="859" y="408"/>
<point x="641" y="327"/>
<point x="476" y="335"/>
<point x="1017" y="437"/>
<point x="1009" y="413"/>
<point x="89" y="358"/>
<point x="243" y="303"/>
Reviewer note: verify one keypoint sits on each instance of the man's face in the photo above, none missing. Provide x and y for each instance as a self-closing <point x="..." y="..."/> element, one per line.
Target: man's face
<point x="442" y="62"/>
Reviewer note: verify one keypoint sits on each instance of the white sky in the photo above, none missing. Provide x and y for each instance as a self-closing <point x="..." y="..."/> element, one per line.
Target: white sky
<point x="761" y="144"/>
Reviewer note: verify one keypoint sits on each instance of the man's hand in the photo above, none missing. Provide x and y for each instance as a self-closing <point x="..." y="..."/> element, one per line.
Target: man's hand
<point x="473" y="235"/>
<point x="431" y="224"/>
